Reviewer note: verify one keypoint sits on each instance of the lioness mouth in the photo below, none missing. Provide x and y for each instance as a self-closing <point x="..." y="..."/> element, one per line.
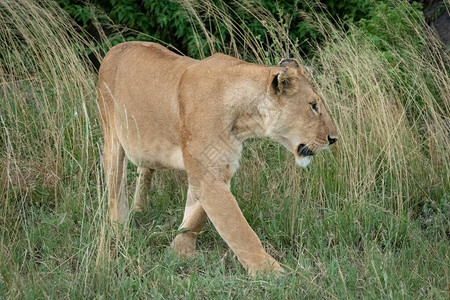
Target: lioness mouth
<point x="303" y="150"/>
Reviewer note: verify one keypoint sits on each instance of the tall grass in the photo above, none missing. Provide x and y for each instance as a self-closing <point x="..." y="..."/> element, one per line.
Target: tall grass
<point x="367" y="219"/>
<point x="48" y="92"/>
<point x="398" y="108"/>
<point x="49" y="163"/>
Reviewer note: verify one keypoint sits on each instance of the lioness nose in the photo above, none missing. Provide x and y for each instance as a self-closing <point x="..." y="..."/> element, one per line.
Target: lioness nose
<point x="332" y="140"/>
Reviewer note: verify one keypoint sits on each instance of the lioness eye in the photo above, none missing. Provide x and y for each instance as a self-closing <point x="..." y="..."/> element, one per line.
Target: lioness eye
<point x="314" y="107"/>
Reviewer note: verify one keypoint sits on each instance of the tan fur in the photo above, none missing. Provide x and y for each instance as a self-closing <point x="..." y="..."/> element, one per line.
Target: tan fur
<point x="162" y="110"/>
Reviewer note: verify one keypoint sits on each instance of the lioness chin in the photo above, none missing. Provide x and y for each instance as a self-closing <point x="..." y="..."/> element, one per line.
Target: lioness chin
<point x="162" y="110"/>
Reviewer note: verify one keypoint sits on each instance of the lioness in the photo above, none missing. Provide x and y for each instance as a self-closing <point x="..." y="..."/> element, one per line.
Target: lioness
<point x="162" y="110"/>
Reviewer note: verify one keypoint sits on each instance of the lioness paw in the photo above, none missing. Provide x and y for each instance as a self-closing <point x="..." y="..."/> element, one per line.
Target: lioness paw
<point x="270" y="267"/>
<point x="184" y="244"/>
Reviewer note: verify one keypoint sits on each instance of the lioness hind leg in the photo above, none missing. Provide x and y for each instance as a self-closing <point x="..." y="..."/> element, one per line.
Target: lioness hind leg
<point x="194" y="217"/>
<point x="113" y="162"/>
<point x="143" y="184"/>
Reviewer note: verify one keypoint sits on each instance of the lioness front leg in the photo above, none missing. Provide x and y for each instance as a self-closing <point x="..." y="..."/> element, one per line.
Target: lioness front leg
<point x="224" y="212"/>
<point x="194" y="217"/>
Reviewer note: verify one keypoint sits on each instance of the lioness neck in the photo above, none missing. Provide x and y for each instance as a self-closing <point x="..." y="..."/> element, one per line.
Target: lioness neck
<point x="251" y="104"/>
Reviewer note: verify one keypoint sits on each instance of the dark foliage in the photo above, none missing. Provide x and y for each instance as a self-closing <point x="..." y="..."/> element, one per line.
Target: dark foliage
<point x="167" y="20"/>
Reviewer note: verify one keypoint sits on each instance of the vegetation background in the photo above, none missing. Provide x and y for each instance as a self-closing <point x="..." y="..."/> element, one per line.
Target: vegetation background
<point x="368" y="219"/>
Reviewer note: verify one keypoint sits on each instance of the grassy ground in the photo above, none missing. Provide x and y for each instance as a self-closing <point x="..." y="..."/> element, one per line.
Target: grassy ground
<point x="368" y="219"/>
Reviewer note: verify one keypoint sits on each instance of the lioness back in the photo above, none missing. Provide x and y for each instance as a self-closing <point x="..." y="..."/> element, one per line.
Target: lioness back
<point x="139" y="89"/>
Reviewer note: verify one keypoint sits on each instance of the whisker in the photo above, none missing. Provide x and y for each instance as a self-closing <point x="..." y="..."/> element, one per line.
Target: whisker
<point x="317" y="144"/>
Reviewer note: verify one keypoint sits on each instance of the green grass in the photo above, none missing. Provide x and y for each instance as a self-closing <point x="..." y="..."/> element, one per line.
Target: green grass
<point x="368" y="219"/>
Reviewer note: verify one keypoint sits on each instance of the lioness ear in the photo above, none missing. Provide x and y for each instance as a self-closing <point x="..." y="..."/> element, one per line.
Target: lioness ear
<point x="291" y="63"/>
<point x="285" y="82"/>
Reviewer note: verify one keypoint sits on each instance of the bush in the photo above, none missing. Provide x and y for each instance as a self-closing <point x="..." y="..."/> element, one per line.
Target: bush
<point x="171" y="22"/>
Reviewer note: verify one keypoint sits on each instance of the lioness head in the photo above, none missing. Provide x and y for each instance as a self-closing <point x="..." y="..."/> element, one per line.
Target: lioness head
<point x="300" y="121"/>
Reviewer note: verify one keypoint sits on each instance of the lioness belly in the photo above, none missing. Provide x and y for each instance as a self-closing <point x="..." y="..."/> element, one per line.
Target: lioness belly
<point x="155" y="155"/>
